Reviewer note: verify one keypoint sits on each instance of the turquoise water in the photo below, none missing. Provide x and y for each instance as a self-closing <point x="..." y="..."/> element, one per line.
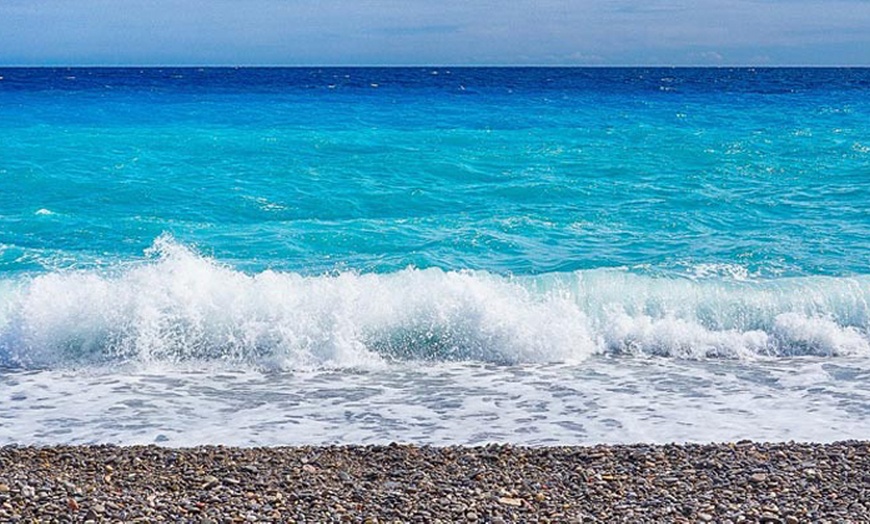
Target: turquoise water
<point x="494" y="214"/>
<point x="507" y="171"/>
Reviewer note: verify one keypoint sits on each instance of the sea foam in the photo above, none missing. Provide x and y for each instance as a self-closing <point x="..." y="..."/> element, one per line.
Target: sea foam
<point x="180" y="306"/>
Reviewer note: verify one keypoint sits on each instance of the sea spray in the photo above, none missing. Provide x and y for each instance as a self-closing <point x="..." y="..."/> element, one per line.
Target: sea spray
<point x="181" y="305"/>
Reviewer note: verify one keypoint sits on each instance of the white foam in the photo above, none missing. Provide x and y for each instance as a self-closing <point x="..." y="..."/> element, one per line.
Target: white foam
<point x="821" y="333"/>
<point x="180" y="306"/>
<point x="614" y="400"/>
<point x="733" y="271"/>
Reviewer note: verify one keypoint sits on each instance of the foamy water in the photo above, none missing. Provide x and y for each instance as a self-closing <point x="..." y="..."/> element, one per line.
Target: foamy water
<point x="182" y="306"/>
<point x="182" y="350"/>
<point x="624" y="399"/>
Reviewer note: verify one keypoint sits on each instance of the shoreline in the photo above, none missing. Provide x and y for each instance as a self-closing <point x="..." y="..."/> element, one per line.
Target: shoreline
<point x="727" y="482"/>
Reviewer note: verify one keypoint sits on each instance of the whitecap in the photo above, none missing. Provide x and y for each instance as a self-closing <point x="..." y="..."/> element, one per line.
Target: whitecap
<point x="180" y="306"/>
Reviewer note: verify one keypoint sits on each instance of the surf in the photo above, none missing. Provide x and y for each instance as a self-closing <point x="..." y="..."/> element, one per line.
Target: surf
<point x="181" y="306"/>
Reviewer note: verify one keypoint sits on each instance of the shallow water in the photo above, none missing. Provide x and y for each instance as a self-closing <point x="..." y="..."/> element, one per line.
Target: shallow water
<point x="614" y="400"/>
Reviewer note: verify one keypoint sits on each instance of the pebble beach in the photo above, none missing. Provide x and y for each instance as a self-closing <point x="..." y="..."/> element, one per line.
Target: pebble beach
<point x="729" y="483"/>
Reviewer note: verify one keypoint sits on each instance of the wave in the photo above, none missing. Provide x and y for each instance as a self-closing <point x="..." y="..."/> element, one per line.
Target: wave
<point x="180" y="306"/>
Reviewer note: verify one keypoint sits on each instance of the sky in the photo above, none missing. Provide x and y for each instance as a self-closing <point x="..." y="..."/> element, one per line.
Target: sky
<point x="435" y="32"/>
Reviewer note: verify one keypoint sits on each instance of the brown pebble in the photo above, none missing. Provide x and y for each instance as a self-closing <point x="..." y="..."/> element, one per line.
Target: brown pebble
<point x="770" y="518"/>
<point x="758" y="477"/>
<point x="210" y="481"/>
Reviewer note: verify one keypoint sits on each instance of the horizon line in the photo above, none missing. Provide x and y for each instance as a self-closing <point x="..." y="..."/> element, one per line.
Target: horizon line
<point x="455" y="66"/>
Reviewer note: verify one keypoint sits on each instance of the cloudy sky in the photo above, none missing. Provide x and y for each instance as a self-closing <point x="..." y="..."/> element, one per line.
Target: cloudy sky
<point x="394" y="32"/>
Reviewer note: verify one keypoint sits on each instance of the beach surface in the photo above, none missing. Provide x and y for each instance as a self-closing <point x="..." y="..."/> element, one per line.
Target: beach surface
<point x="732" y="482"/>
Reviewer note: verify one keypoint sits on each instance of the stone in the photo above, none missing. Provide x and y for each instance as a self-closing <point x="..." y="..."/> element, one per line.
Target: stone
<point x="210" y="481"/>
<point x="769" y="518"/>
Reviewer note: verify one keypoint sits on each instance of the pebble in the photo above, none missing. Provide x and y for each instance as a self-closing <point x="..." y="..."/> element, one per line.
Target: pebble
<point x="210" y="481"/>
<point x="770" y="518"/>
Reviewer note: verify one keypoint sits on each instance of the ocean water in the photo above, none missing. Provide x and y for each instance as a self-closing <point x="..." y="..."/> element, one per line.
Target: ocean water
<point x="434" y="255"/>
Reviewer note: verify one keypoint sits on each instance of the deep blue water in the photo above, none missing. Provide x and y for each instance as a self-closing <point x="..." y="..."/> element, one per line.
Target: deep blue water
<point x="311" y="216"/>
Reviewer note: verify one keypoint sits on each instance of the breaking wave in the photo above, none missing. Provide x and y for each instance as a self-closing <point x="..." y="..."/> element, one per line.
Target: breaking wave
<point x="180" y="306"/>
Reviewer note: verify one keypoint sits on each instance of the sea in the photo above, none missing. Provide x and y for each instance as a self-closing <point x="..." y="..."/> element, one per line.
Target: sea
<point x="434" y="255"/>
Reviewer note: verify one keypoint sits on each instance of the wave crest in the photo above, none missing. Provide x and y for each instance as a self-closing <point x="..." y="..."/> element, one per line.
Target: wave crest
<point x="181" y="306"/>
